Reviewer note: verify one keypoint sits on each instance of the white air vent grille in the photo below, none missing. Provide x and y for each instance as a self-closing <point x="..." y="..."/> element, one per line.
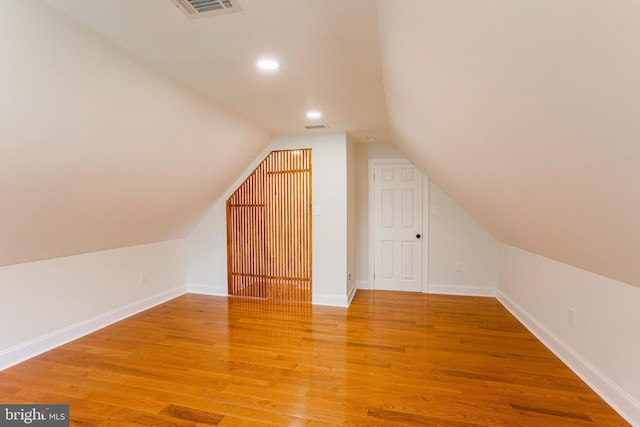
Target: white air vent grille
<point x="316" y="127"/>
<point x="202" y="8"/>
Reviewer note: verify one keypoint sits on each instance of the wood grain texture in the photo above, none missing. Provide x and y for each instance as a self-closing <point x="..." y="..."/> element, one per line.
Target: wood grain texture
<point x="391" y="359"/>
<point x="269" y="230"/>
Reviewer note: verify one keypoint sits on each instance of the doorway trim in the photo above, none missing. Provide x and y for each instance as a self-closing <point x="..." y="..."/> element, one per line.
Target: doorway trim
<point x="425" y="220"/>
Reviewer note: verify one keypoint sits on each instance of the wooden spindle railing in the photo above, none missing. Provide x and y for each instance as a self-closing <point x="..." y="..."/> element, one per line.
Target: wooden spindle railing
<point x="269" y="230"/>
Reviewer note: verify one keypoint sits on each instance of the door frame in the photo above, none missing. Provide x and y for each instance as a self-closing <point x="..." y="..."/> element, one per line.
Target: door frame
<point x="425" y="220"/>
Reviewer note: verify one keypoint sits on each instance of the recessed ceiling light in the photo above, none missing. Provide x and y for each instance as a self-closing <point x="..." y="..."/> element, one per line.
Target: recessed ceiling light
<point x="268" y="64"/>
<point x="314" y="114"/>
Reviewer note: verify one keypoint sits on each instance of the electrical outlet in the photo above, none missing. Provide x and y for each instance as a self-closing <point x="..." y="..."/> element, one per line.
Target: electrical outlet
<point x="143" y="277"/>
<point x="349" y="277"/>
<point x="572" y="316"/>
<point x="458" y="267"/>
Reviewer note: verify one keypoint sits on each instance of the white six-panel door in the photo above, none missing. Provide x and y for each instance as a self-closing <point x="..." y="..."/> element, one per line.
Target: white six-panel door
<point x="398" y="236"/>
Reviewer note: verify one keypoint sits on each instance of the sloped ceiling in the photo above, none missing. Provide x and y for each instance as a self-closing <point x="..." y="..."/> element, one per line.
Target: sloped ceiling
<point x="123" y="120"/>
<point x="98" y="151"/>
<point x="328" y="52"/>
<point x="526" y="113"/>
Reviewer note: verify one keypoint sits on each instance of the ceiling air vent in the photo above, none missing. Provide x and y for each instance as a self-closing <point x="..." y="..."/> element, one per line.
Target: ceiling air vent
<point x="316" y="127"/>
<point x="202" y="8"/>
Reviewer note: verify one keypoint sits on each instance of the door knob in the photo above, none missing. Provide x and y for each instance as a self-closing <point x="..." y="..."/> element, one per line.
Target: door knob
<point x="418" y="236"/>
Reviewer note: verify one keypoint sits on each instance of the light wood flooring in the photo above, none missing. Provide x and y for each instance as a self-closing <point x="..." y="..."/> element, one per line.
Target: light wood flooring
<point x="391" y="359"/>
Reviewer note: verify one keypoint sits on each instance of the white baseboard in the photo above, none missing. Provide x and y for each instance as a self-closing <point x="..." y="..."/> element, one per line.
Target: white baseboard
<point x="218" y="291"/>
<point x="332" y="300"/>
<point x="21" y="352"/>
<point x="318" y="299"/>
<point x="619" y="400"/>
<point x="465" y="290"/>
<point x="352" y="293"/>
<point x="363" y="284"/>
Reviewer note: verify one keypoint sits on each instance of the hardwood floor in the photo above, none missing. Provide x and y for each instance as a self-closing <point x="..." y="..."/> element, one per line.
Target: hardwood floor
<point x="391" y="359"/>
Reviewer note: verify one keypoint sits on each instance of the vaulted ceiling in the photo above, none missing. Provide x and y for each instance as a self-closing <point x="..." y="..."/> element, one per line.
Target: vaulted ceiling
<point x="328" y="53"/>
<point x="526" y="113"/>
<point x="123" y="120"/>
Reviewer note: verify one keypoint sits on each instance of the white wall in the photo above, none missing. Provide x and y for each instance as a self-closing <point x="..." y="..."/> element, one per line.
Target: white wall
<point x="602" y="345"/>
<point x="453" y="236"/>
<point x="44" y="304"/>
<point x="351" y="219"/>
<point x="361" y="200"/>
<point x="462" y="254"/>
<point x="207" y="256"/>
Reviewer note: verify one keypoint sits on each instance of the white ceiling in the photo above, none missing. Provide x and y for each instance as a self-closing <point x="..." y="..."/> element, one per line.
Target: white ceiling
<point x="98" y="150"/>
<point x="328" y="51"/>
<point x="524" y="112"/>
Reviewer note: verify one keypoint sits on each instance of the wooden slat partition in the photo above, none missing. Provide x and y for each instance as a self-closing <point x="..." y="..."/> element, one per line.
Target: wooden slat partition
<point x="269" y="230"/>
